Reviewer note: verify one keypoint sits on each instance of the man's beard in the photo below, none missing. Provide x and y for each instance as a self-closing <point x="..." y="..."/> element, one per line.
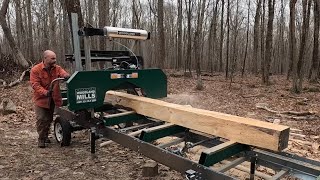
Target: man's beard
<point x="52" y="64"/>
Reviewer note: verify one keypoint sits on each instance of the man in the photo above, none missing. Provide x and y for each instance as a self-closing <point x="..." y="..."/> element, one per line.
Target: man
<point x="41" y="76"/>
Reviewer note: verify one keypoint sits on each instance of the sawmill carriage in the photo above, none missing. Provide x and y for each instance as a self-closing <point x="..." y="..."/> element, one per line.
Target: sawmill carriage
<point x="141" y="119"/>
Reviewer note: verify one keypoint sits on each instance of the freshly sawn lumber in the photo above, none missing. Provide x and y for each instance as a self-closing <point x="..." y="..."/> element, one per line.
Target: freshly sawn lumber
<point x="242" y="130"/>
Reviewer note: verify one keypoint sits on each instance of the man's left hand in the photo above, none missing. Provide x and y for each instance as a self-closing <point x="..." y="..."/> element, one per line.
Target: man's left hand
<point x="66" y="78"/>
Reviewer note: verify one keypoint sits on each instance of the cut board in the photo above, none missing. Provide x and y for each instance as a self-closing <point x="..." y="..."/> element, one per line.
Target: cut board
<point x="242" y="130"/>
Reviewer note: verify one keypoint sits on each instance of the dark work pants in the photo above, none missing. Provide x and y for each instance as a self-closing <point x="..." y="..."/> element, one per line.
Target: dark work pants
<point x="44" y="118"/>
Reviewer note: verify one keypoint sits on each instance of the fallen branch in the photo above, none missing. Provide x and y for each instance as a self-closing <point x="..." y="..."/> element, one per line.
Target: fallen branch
<point x="297" y="97"/>
<point x="250" y="96"/>
<point x="307" y="117"/>
<point x="16" y="82"/>
<point x="210" y="75"/>
<point x="297" y="130"/>
<point x="303" y="113"/>
<point x="301" y="141"/>
<point x="298" y="135"/>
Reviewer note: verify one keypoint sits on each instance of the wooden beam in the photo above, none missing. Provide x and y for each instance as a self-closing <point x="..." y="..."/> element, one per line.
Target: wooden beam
<point x="242" y="130"/>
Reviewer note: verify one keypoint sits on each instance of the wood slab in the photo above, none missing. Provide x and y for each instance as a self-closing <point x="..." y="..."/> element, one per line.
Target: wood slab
<point x="242" y="130"/>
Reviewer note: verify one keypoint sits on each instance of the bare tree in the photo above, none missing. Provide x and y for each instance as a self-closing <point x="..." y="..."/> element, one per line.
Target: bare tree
<point x="298" y="67"/>
<point x="136" y="18"/>
<point x="247" y="41"/>
<point x="52" y="26"/>
<point x="161" y="36"/>
<point x="73" y="6"/>
<point x="221" y="37"/>
<point x="292" y="39"/>
<point x="197" y="43"/>
<point x="66" y="34"/>
<point x="228" y="39"/>
<point x="282" y="53"/>
<point x="179" y="38"/>
<point x="30" y="33"/>
<point x="256" y="37"/>
<point x="19" y="25"/>
<point x="235" y="40"/>
<point x="315" y="55"/>
<point x="41" y="24"/>
<point x="189" y="7"/>
<point x="262" y="36"/>
<point x="269" y="41"/>
<point x="103" y="8"/>
<point x="212" y="63"/>
<point x="19" y="58"/>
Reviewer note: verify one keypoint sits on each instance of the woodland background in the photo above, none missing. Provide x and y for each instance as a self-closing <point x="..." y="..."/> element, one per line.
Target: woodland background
<point x="234" y="37"/>
<point x="249" y="55"/>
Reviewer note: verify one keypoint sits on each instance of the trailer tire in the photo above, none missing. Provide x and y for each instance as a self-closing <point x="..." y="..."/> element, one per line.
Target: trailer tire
<point x="62" y="131"/>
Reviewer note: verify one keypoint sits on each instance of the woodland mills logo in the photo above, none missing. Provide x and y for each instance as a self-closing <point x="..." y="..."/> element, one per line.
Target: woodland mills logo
<point x="86" y="95"/>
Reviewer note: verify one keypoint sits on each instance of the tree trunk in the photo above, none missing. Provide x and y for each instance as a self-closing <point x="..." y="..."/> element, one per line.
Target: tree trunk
<point x="73" y="6"/>
<point x="221" y="38"/>
<point x="292" y="41"/>
<point x="197" y="39"/>
<point x="66" y="35"/>
<point x="235" y="49"/>
<point x="52" y="27"/>
<point x="247" y="41"/>
<point x="103" y="7"/>
<point x="212" y="63"/>
<point x="228" y="39"/>
<point x="297" y="82"/>
<point x="262" y="28"/>
<point x="269" y="40"/>
<point x="315" y="54"/>
<point x="161" y="36"/>
<point x="136" y="45"/>
<point x="283" y="59"/>
<point x="256" y="37"/>
<point x="179" y="38"/>
<point x="19" y="25"/>
<point x="30" y="33"/>
<point x="19" y="58"/>
<point x="189" y="46"/>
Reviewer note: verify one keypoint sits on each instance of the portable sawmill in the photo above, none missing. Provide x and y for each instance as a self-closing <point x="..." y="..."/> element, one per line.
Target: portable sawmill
<point x="137" y="119"/>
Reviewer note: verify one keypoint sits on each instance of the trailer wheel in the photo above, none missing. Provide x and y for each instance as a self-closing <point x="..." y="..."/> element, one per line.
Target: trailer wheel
<point x="62" y="131"/>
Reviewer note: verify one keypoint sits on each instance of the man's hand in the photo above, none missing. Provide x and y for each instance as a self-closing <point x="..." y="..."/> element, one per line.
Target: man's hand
<point x="49" y="93"/>
<point x="66" y="78"/>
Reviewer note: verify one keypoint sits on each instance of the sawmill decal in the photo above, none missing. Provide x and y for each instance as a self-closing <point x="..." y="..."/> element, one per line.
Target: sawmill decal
<point x="86" y="95"/>
<point x="129" y="33"/>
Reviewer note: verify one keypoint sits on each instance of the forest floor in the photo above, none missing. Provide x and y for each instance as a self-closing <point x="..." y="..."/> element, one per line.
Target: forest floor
<point x="20" y="158"/>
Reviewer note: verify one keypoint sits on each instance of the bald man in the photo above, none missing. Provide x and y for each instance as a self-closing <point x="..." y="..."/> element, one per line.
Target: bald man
<point x="41" y="76"/>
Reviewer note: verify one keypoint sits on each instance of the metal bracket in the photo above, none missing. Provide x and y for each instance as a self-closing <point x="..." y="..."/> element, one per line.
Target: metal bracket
<point x="253" y="162"/>
<point x="193" y="175"/>
<point x="93" y="138"/>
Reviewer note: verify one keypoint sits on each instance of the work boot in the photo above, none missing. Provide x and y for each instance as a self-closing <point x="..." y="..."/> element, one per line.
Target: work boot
<point x="41" y="143"/>
<point x="47" y="140"/>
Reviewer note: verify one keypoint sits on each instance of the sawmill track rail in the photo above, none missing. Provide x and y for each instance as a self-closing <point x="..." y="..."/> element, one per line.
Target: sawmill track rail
<point x="227" y="154"/>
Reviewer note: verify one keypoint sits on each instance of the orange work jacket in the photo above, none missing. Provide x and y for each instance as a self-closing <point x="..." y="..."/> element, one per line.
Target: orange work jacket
<point x="40" y="79"/>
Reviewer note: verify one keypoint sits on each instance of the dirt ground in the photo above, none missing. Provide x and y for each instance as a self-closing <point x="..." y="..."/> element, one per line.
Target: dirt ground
<point x="21" y="159"/>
